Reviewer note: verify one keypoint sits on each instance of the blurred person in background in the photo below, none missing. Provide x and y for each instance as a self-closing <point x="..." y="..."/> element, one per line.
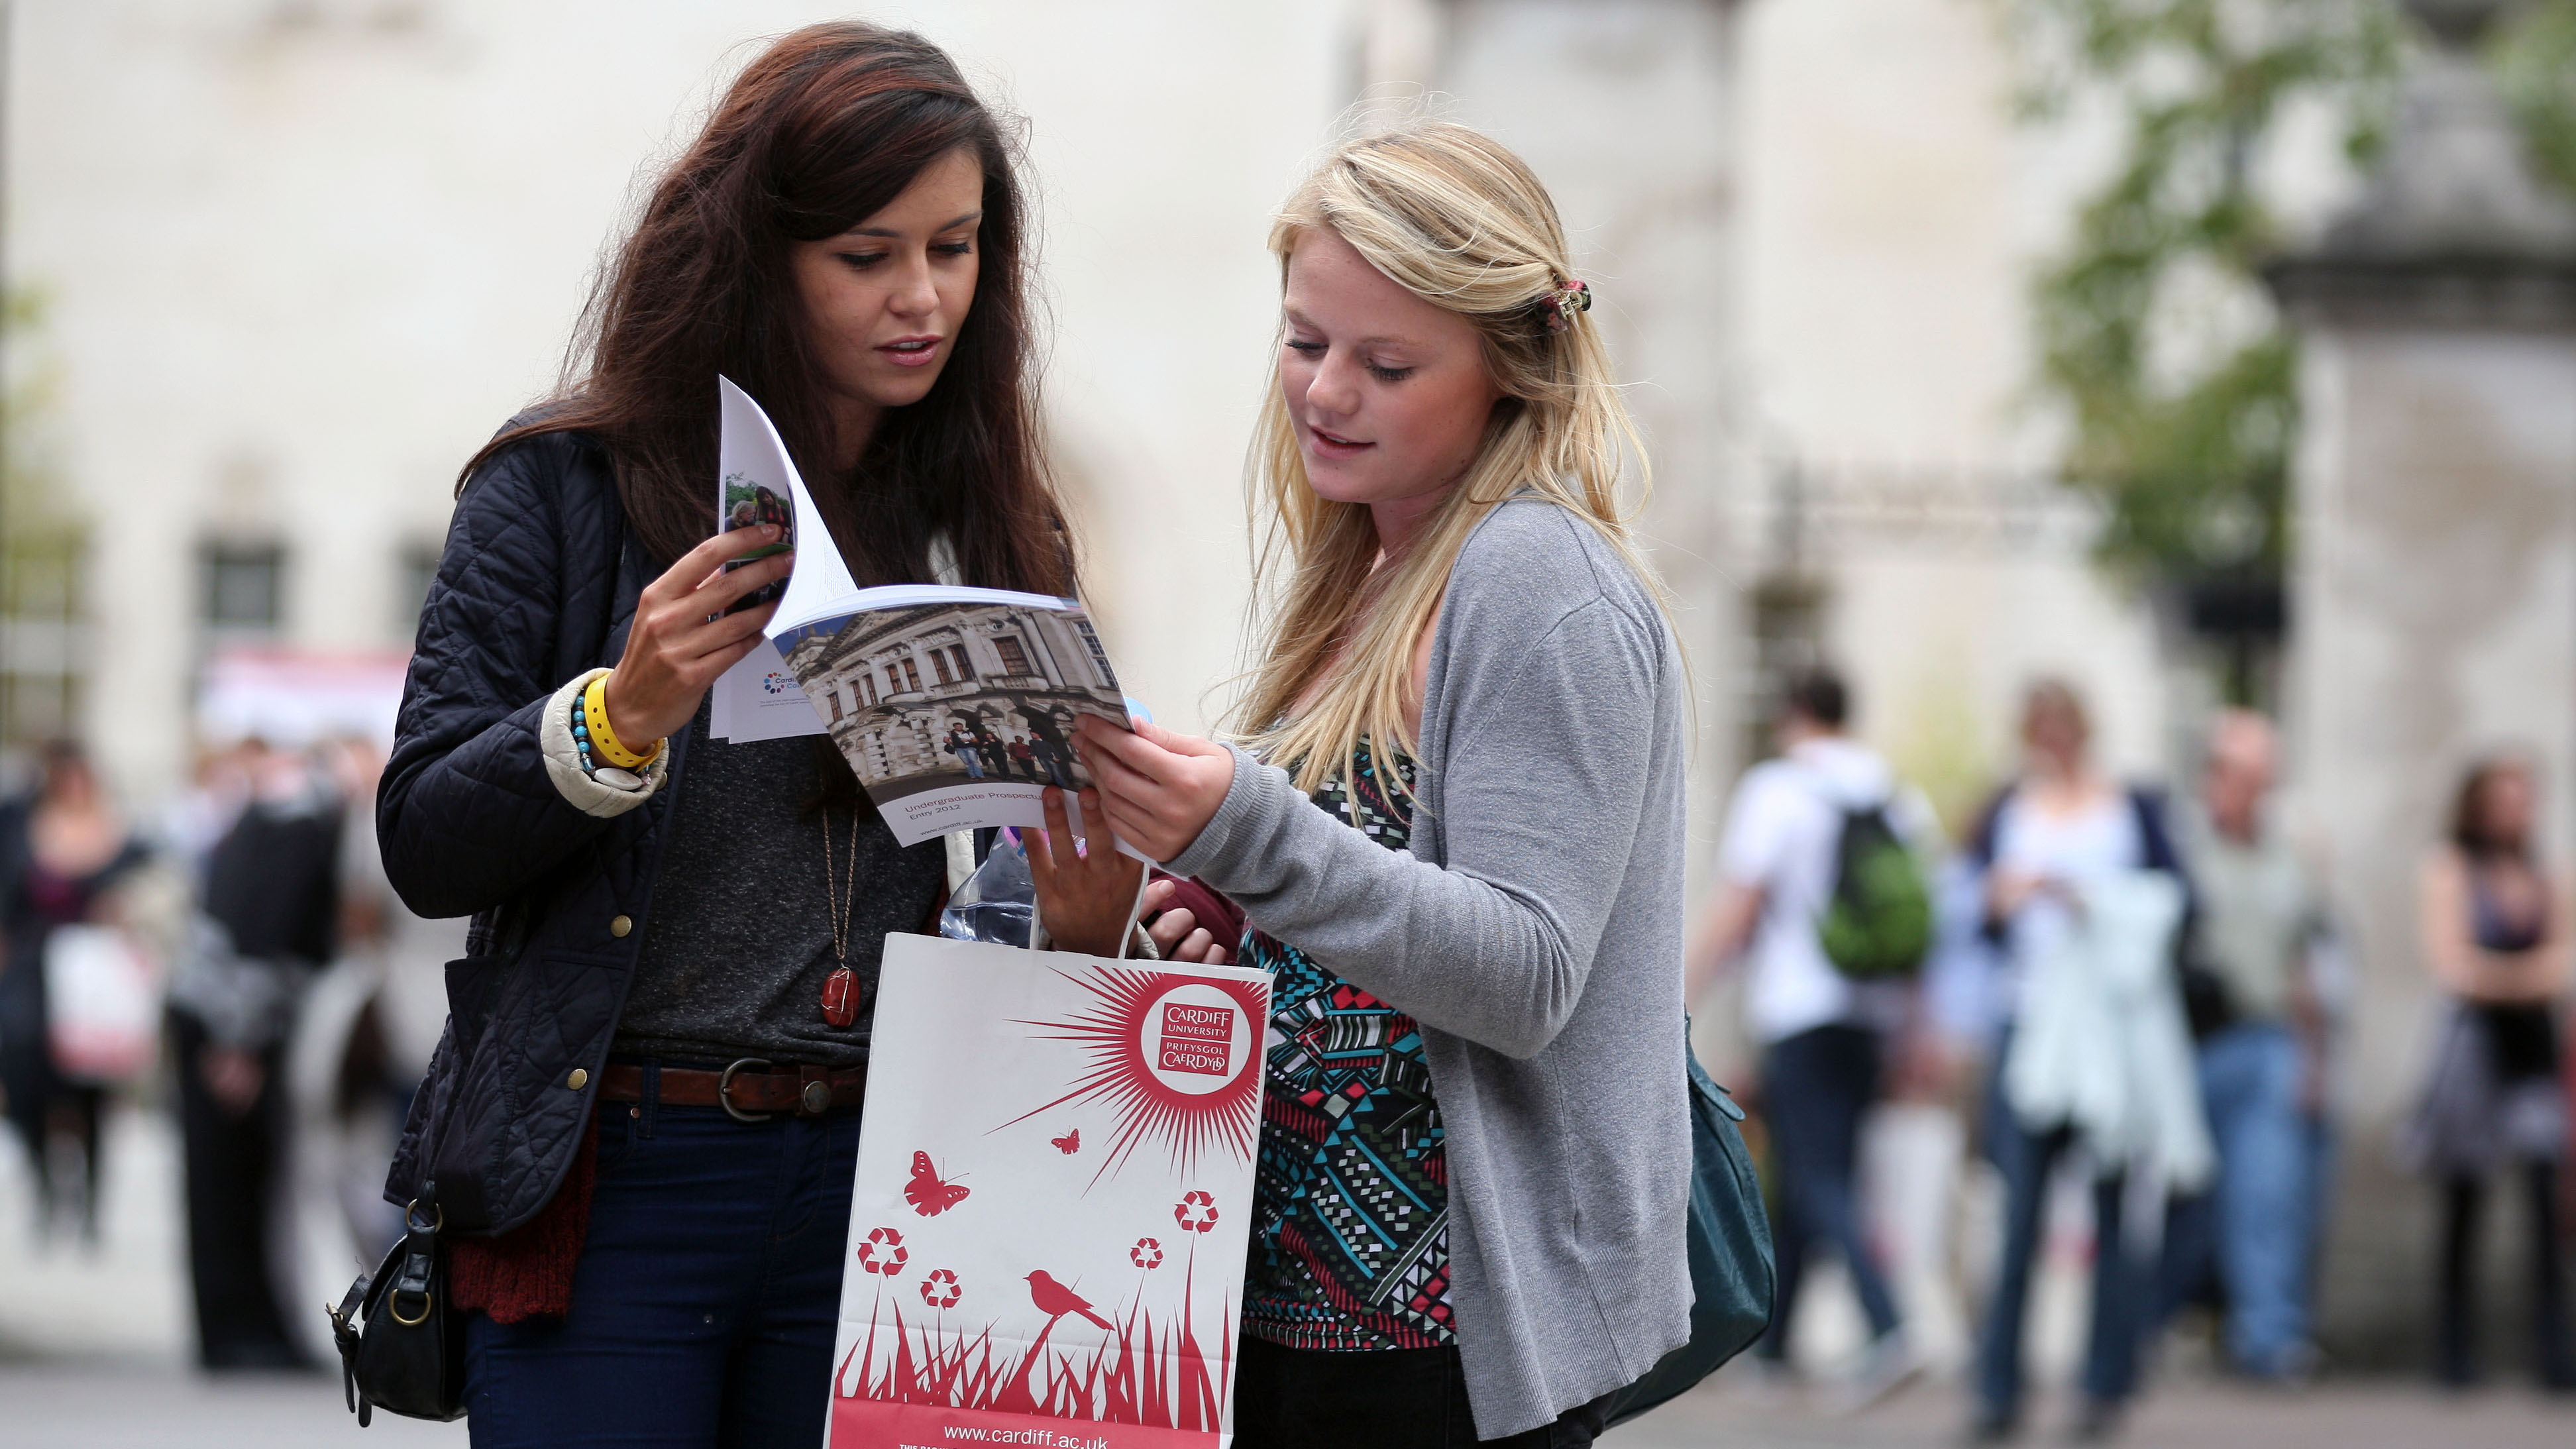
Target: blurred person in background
<point x="269" y="895"/>
<point x="2062" y="825"/>
<point x="2259" y="1030"/>
<point x="61" y="849"/>
<point x="1823" y="1032"/>
<point x="370" y="1022"/>
<point x="2496" y="933"/>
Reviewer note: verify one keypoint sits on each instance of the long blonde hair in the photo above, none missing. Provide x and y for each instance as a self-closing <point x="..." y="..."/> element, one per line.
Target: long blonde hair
<point x="1453" y="217"/>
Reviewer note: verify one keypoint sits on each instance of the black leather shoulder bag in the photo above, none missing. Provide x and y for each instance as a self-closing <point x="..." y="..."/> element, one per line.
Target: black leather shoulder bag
<point x="402" y="1341"/>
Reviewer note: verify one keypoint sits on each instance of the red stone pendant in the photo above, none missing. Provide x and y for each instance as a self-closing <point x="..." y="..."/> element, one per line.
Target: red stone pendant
<point x="841" y="997"/>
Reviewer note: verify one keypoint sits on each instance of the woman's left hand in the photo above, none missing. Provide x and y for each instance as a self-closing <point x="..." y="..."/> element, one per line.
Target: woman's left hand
<point x="1084" y="896"/>
<point x="1160" y="788"/>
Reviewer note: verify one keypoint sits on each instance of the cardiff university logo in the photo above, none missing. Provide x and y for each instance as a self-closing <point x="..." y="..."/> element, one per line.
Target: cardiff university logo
<point x="1198" y="1039"/>
<point x="1175" y="1061"/>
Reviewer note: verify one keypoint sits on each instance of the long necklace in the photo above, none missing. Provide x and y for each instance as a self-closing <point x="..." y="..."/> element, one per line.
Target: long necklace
<point x="841" y="988"/>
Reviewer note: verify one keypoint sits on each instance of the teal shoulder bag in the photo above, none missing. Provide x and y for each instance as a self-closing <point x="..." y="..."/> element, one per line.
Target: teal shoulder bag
<point x="1732" y="1274"/>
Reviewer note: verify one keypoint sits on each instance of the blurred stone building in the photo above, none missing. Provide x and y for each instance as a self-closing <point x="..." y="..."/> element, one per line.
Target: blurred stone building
<point x="302" y="256"/>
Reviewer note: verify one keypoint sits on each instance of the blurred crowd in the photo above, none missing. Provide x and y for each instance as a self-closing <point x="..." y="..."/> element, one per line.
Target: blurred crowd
<point x="239" y="960"/>
<point x="2139" y="996"/>
<point x="2094" y="982"/>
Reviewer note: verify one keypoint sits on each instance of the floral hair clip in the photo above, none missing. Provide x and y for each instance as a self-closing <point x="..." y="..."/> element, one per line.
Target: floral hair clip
<point x="1564" y="300"/>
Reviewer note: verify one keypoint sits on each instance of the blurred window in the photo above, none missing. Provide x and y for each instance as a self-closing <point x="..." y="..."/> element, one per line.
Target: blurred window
<point x="415" y="565"/>
<point x="1015" y="660"/>
<point x="242" y="588"/>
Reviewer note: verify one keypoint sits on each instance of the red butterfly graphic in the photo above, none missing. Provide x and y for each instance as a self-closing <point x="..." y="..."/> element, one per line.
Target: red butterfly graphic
<point x="928" y="1195"/>
<point x="1070" y="1143"/>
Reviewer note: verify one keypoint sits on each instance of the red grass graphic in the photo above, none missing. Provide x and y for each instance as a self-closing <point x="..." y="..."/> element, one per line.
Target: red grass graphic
<point x="1156" y="1377"/>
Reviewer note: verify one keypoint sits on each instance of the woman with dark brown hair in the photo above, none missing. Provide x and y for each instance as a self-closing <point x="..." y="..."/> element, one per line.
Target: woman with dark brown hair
<point x="2496" y="932"/>
<point x="639" y="1131"/>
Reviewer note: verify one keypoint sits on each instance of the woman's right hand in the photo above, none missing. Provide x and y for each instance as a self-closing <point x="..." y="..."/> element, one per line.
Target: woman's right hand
<point x="682" y="638"/>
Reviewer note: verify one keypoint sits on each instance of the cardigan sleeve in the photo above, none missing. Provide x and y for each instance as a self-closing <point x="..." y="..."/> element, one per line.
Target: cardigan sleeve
<point x="1542" y="797"/>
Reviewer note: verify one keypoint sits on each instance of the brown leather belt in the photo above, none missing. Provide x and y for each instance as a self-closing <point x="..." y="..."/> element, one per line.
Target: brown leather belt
<point x="749" y="1090"/>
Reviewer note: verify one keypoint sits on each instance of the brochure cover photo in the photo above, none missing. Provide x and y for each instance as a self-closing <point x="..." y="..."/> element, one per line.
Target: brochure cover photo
<point x="1052" y="1201"/>
<point x="955" y="706"/>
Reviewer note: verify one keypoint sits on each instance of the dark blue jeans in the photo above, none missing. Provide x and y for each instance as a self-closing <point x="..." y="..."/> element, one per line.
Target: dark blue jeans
<point x="1816" y="1087"/>
<point x="705" y="1303"/>
<point x="2121" y="1288"/>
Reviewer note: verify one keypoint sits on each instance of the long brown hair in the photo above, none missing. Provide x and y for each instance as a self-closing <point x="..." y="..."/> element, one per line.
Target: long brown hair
<point x="824" y="129"/>
<point x="2469" y="830"/>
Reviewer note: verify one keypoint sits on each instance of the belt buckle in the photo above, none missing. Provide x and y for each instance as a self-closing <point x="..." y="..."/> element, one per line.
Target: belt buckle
<point x="724" y="1090"/>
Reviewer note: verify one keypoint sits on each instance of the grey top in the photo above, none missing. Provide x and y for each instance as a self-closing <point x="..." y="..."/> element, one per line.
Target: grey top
<point x="1534" y="929"/>
<point x="740" y="939"/>
<point x="2257" y="912"/>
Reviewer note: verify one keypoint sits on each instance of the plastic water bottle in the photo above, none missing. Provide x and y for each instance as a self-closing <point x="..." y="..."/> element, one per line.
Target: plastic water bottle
<point x="998" y="901"/>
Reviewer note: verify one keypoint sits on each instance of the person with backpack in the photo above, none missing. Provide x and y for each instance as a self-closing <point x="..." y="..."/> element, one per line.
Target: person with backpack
<point x="1826" y="901"/>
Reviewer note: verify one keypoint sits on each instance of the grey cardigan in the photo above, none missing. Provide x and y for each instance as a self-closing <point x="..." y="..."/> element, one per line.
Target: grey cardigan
<point x="1534" y="929"/>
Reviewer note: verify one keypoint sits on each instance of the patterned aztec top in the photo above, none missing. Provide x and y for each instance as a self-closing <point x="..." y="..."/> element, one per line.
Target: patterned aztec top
<point x="1350" y="1231"/>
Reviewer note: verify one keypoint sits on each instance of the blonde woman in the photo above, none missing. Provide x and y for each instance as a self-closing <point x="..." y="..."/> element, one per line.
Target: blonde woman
<point x="1472" y="1189"/>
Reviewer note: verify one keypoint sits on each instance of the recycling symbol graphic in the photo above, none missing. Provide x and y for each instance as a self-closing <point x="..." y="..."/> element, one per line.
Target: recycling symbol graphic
<point x="1146" y="1254"/>
<point x="1195" y="1212"/>
<point x="940" y="1289"/>
<point x="884" y="1252"/>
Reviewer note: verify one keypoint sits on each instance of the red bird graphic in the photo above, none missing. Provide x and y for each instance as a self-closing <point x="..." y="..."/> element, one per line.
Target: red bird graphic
<point x="1070" y="1143"/>
<point x="1056" y="1300"/>
<point x="928" y="1195"/>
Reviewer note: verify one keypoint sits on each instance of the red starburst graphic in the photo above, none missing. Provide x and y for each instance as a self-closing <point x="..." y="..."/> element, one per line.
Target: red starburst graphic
<point x="1114" y="1031"/>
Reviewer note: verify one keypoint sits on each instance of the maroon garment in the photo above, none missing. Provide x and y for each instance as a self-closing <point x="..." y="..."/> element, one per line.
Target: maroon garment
<point x="1222" y="918"/>
<point x="527" y="1272"/>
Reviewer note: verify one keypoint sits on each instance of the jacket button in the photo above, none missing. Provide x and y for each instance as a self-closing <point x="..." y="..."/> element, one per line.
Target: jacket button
<point x="620" y="925"/>
<point x="580" y="1076"/>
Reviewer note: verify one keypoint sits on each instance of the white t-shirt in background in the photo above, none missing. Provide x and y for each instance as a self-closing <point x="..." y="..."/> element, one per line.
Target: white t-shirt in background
<point x="2101" y="840"/>
<point x="1783" y="830"/>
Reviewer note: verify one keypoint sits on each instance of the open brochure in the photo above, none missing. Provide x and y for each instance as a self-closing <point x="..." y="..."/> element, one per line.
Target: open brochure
<point x="955" y="706"/>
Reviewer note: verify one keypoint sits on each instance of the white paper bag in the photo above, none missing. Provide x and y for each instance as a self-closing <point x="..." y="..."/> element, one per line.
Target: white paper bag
<point x="102" y="1004"/>
<point x="1054" y="1188"/>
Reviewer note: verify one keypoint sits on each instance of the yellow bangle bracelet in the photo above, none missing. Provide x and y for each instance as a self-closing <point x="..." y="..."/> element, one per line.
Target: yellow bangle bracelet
<point x="594" y="711"/>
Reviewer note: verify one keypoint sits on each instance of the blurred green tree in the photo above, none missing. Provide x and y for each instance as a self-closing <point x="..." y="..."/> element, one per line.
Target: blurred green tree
<point x="2153" y="333"/>
<point x="44" y="544"/>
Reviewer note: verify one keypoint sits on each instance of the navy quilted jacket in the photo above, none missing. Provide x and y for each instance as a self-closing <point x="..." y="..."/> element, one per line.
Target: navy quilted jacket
<point x="538" y="583"/>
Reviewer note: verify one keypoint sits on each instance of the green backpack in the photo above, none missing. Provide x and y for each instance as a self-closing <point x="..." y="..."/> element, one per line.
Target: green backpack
<point x="1878" y="926"/>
